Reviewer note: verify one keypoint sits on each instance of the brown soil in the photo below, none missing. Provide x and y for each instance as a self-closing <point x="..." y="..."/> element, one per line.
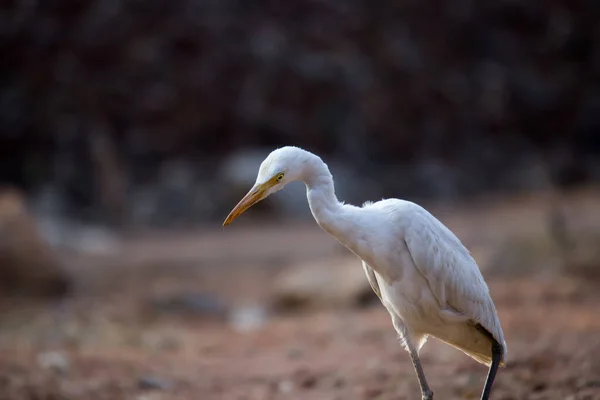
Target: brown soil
<point x="108" y="342"/>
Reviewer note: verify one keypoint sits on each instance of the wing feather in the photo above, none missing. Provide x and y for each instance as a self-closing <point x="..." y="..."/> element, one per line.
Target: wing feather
<point x="372" y="280"/>
<point x="451" y="272"/>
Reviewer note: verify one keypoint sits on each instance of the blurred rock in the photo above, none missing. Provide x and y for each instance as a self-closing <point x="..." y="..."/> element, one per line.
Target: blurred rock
<point x="154" y="383"/>
<point x="53" y="360"/>
<point x="286" y="386"/>
<point x="305" y="379"/>
<point x="29" y="266"/>
<point x="334" y="283"/>
<point x="197" y="304"/>
<point x="89" y="239"/>
<point x="248" y="318"/>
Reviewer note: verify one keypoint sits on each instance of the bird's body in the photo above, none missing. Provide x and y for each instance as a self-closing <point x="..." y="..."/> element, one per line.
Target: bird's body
<point x="429" y="280"/>
<point x="422" y="273"/>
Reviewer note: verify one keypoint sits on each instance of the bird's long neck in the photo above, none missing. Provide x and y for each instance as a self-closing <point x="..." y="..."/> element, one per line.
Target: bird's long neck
<point x="324" y="205"/>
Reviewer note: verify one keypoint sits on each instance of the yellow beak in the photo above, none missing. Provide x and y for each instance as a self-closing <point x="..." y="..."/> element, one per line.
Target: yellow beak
<point x="251" y="198"/>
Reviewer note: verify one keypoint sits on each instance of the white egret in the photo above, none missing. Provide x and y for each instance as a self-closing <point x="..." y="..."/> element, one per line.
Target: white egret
<point x="424" y="276"/>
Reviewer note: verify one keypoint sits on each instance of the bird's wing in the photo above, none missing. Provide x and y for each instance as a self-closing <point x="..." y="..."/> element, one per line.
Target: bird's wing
<point x="372" y="279"/>
<point x="451" y="272"/>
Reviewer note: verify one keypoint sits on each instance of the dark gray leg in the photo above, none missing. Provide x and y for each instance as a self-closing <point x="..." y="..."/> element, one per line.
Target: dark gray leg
<point x="497" y="351"/>
<point x="426" y="392"/>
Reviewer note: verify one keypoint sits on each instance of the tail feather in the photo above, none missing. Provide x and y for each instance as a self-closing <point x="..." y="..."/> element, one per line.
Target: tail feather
<point x="473" y="340"/>
<point x="485" y="359"/>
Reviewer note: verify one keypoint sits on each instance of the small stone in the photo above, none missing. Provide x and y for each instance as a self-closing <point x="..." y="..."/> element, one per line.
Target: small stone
<point x="53" y="360"/>
<point x="539" y="387"/>
<point x="306" y="379"/>
<point x="201" y="304"/>
<point x="248" y="318"/>
<point x="285" y="386"/>
<point x="336" y="283"/>
<point x="154" y="383"/>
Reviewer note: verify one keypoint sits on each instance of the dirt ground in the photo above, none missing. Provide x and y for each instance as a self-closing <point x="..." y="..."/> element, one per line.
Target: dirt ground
<point x="111" y="340"/>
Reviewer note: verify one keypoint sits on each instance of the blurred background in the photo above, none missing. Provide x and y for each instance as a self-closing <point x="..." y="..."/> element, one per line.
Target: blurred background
<point x="130" y="128"/>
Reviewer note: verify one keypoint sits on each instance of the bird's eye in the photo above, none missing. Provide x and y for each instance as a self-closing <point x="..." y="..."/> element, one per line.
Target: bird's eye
<point x="279" y="177"/>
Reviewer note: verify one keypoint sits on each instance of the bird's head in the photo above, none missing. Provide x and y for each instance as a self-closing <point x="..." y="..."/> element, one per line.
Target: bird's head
<point x="281" y="167"/>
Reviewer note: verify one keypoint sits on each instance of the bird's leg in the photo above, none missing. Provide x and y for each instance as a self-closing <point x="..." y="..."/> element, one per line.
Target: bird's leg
<point x="426" y="392"/>
<point x="405" y="335"/>
<point x="497" y="351"/>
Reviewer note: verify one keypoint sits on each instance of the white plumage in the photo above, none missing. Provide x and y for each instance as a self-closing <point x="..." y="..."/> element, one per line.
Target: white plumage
<point x="424" y="276"/>
<point x="439" y="290"/>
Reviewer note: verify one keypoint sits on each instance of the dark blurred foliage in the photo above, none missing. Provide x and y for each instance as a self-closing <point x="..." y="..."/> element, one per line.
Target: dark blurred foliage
<point x="466" y="91"/>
